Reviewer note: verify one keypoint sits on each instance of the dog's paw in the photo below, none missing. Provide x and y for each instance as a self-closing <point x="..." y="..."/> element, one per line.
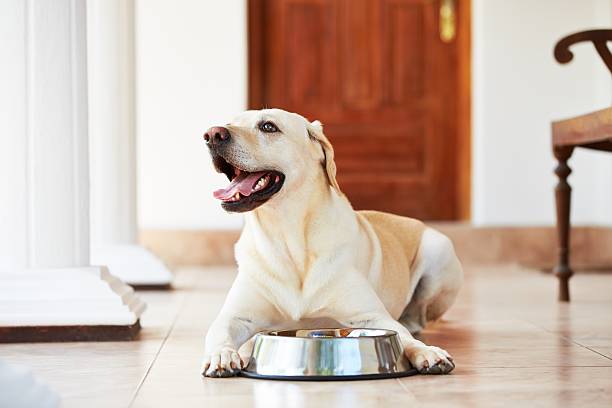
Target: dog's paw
<point x="223" y="363"/>
<point x="430" y="359"/>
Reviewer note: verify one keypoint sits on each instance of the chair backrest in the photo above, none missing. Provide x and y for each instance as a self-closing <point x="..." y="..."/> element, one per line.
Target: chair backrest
<point x="599" y="38"/>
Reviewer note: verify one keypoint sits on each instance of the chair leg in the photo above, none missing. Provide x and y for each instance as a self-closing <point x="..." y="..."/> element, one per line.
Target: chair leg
<point x="563" y="195"/>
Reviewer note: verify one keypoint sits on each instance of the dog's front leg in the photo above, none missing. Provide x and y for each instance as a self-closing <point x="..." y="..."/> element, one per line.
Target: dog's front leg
<point x="244" y="313"/>
<point x="365" y="310"/>
<point x="426" y="359"/>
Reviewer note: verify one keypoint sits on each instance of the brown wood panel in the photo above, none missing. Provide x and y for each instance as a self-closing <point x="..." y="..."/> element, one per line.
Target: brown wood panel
<point x="304" y="39"/>
<point x="399" y="152"/>
<point x="407" y="68"/>
<point x="360" y="55"/>
<point x="464" y="110"/>
<point x="384" y="84"/>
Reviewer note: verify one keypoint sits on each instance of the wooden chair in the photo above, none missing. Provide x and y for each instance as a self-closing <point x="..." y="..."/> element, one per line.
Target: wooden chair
<point x="591" y="131"/>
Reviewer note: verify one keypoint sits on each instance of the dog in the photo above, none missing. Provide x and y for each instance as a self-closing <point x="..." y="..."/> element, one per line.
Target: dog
<point x="305" y="256"/>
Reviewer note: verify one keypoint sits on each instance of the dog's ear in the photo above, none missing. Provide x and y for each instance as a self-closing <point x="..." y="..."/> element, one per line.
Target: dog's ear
<point x="315" y="131"/>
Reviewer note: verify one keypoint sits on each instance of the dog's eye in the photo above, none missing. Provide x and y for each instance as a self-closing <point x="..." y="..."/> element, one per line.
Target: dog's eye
<point x="268" y="127"/>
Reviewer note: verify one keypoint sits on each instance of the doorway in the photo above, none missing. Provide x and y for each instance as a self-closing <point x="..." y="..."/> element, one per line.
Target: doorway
<point x="389" y="79"/>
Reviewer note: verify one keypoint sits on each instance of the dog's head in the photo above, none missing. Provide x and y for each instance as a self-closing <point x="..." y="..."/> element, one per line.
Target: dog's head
<point x="268" y="153"/>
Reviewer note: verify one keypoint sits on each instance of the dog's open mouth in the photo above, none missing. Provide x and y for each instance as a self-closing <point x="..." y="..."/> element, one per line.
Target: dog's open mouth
<point x="247" y="190"/>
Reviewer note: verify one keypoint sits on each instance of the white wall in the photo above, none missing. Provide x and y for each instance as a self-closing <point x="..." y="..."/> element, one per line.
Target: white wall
<point x="518" y="89"/>
<point x="191" y="73"/>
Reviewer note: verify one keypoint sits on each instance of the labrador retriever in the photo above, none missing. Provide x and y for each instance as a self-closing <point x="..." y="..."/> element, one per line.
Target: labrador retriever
<point x="306" y="257"/>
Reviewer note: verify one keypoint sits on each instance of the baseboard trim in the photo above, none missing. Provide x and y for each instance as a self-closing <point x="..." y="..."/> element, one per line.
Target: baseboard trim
<point x="39" y="334"/>
<point x="530" y="246"/>
<point x="191" y="247"/>
<point x="533" y="246"/>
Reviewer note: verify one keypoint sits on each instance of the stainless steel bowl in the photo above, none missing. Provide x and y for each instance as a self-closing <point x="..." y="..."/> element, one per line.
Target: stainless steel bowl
<point x="327" y="354"/>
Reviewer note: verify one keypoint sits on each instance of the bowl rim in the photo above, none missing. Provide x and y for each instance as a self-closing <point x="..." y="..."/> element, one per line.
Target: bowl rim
<point x="275" y="334"/>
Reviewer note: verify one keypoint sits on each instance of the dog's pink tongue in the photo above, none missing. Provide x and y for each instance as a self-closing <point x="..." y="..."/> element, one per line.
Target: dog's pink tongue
<point x="242" y="184"/>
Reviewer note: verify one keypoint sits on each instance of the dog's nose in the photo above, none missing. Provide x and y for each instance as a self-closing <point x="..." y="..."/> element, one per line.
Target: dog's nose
<point x="216" y="135"/>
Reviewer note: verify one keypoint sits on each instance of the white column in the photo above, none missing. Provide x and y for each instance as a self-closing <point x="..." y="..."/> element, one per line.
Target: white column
<point x="21" y="389"/>
<point x="110" y="39"/>
<point x="45" y="273"/>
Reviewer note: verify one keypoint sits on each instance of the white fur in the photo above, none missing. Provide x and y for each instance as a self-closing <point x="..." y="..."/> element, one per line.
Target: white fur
<point x="305" y="255"/>
<point x="439" y="275"/>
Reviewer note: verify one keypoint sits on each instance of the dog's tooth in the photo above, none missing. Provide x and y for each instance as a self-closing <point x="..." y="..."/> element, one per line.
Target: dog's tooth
<point x="260" y="183"/>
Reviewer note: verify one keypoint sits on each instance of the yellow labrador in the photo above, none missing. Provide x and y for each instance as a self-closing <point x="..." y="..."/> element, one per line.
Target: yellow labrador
<point x="306" y="257"/>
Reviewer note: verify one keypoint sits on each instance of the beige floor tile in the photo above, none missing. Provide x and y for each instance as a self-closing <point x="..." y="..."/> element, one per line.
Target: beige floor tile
<point x="603" y="350"/>
<point x="513" y="343"/>
<point x="288" y="395"/>
<point x="565" y="356"/>
<point x="532" y="387"/>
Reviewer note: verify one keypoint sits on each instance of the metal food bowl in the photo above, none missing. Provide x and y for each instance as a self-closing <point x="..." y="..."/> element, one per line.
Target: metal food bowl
<point x="328" y="354"/>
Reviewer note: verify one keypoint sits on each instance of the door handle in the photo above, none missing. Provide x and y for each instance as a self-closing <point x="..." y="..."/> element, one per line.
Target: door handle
<point x="448" y="21"/>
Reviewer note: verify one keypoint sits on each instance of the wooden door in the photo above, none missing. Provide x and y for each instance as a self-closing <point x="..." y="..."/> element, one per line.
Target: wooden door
<point x="385" y="86"/>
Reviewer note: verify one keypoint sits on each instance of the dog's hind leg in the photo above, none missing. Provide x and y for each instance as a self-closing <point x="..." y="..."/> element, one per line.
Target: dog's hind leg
<point x="437" y="278"/>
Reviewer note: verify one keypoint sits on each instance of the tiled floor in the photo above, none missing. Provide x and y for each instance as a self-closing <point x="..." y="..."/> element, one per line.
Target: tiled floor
<point x="514" y="345"/>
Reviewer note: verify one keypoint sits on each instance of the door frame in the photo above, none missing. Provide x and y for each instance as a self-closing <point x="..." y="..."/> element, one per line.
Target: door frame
<point x="256" y="85"/>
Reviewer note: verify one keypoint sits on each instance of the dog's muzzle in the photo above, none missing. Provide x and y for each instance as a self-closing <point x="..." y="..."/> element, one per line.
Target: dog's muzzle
<point x="248" y="189"/>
